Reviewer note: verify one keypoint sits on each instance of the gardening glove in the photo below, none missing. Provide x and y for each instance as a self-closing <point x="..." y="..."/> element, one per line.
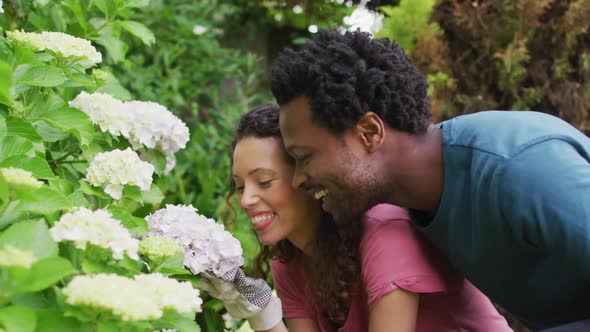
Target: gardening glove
<point x="244" y="298"/>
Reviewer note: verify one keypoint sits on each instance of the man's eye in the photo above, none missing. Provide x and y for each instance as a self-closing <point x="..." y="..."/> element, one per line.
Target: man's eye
<point x="301" y="159"/>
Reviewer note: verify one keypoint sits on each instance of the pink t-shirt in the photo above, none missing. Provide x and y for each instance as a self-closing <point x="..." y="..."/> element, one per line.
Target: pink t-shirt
<point x="394" y="256"/>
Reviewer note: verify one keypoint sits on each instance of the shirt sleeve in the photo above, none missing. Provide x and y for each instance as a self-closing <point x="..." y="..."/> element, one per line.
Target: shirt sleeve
<point x="394" y="256"/>
<point x="291" y="290"/>
<point x="545" y="194"/>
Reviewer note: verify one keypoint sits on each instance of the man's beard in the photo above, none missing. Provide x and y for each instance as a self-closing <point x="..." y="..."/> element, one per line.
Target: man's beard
<point x="357" y="208"/>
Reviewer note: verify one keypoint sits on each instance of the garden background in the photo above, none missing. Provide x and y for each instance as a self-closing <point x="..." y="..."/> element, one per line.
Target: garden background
<point x="207" y="62"/>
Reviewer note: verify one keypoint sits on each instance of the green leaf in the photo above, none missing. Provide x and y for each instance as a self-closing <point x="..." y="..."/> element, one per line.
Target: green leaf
<point x="86" y="188"/>
<point x="210" y="320"/>
<point x="31" y="235"/>
<point x="156" y="158"/>
<point x="5" y="83"/>
<point x="152" y="196"/>
<point x="19" y="127"/>
<point x="77" y="199"/>
<point x="109" y="38"/>
<point x="51" y="320"/>
<point x="14" y="146"/>
<point x="140" y="31"/>
<point x="43" y="200"/>
<point x="135" y="225"/>
<point x="47" y="272"/>
<point x="133" y="193"/>
<point x="3" y="129"/>
<point x="184" y="323"/>
<point x="42" y="75"/>
<point x="49" y="133"/>
<point x="18" y="318"/>
<point x="38" y="166"/>
<point x="3" y="189"/>
<point x="71" y="120"/>
<point x="79" y="12"/>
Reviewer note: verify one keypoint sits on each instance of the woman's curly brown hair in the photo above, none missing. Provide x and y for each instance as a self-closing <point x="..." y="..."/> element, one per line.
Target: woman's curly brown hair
<point x="333" y="271"/>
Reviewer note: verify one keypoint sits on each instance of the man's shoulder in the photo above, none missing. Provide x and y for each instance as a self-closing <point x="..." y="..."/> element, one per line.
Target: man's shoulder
<point x="505" y="133"/>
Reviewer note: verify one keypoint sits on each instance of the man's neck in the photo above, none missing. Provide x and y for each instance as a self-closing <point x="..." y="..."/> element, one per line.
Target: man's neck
<point x="418" y="173"/>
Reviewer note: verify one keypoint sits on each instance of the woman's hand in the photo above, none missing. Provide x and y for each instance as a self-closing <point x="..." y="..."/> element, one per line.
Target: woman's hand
<point x="244" y="298"/>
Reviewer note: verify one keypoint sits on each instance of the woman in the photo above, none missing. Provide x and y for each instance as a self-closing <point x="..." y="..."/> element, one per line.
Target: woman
<point x="377" y="275"/>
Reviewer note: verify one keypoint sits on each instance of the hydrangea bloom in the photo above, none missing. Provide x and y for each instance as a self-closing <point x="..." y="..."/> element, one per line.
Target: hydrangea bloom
<point x="1" y="9"/>
<point x="98" y="228"/>
<point x="171" y="294"/>
<point x="18" y="176"/>
<point x="118" y="168"/>
<point x="207" y="245"/>
<point x="144" y="298"/>
<point x="14" y="257"/>
<point x="157" y="248"/>
<point x="60" y="43"/>
<point x="105" y="111"/>
<point x="156" y="127"/>
<point x="144" y="124"/>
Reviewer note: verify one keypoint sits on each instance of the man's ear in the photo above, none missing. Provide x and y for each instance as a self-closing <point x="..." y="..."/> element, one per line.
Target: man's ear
<point x="371" y="130"/>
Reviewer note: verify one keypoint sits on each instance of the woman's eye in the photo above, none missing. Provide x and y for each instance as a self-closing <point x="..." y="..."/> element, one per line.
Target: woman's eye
<point x="265" y="183"/>
<point x="240" y="189"/>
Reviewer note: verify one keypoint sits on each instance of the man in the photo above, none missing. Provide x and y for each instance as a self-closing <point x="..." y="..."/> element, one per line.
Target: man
<point x="506" y="195"/>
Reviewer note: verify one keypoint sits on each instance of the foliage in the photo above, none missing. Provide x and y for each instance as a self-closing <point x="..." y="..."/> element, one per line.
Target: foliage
<point x="407" y="22"/>
<point x="523" y="54"/>
<point x="46" y="147"/>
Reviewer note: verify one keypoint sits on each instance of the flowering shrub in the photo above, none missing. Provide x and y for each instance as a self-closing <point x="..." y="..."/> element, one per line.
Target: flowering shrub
<point x="79" y="160"/>
<point x="207" y="246"/>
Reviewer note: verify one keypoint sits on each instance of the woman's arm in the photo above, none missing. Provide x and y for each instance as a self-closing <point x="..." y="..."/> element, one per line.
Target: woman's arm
<point x="395" y="312"/>
<point x="296" y="325"/>
<point x="302" y="325"/>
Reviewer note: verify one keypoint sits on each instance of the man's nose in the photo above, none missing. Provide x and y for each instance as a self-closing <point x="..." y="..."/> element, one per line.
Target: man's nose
<point x="299" y="178"/>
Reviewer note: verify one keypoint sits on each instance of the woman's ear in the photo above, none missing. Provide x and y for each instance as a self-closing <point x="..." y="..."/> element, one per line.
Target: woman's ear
<point x="371" y="131"/>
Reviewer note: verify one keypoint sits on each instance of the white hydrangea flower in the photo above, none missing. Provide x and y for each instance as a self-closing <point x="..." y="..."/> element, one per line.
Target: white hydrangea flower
<point x="207" y="245"/>
<point x="105" y="111"/>
<point x="118" y="168"/>
<point x="145" y="124"/>
<point x="154" y="126"/>
<point x="144" y="298"/>
<point x="123" y="297"/>
<point x="61" y="43"/>
<point x="19" y="176"/>
<point x="1" y="9"/>
<point x="14" y="257"/>
<point x="171" y="294"/>
<point x="98" y="228"/>
<point x="158" y="248"/>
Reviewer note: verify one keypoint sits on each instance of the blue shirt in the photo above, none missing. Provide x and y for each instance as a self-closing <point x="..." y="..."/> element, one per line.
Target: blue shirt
<point x="514" y="215"/>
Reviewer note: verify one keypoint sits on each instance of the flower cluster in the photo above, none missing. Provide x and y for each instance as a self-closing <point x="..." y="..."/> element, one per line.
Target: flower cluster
<point x="60" y="43"/>
<point x="207" y="245"/>
<point x="118" y="168"/>
<point x="144" y="124"/>
<point x="157" y="248"/>
<point x="144" y="298"/>
<point x="105" y="111"/>
<point x="18" y="176"/>
<point x="1" y="9"/>
<point x="14" y="257"/>
<point x="98" y="228"/>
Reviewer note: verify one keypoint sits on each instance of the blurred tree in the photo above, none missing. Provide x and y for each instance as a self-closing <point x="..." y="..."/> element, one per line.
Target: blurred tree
<point x="509" y="54"/>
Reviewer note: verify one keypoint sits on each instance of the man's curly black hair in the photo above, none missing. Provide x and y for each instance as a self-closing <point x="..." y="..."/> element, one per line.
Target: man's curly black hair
<point x="346" y="75"/>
